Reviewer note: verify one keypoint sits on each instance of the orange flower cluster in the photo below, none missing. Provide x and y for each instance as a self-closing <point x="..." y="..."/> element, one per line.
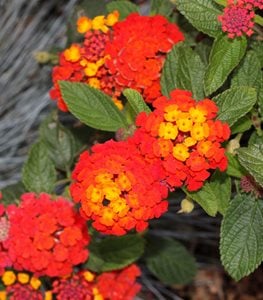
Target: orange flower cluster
<point x="185" y="137"/>
<point x="85" y="62"/>
<point x="46" y="237"/>
<point x="117" y="188"/>
<point x="137" y="51"/>
<point x="4" y="230"/>
<point x="116" y="285"/>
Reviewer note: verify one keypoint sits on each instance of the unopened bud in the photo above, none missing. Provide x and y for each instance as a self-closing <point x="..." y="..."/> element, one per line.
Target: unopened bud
<point x="232" y="146"/>
<point x="187" y="206"/>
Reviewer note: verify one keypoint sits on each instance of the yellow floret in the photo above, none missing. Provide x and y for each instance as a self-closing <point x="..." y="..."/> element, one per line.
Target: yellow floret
<point x="171" y="113"/>
<point x="98" y="23"/>
<point x="197" y="115"/>
<point x="180" y="152"/>
<point x="184" y="122"/>
<point x="112" y="18"/>
<point x="72" y="53"/>
<point x="200" y="131"/>
<point x="94" y="82"/>
<point x="91" y="69"/>
<point x="84" y="24"/>
<point x="35" y="283"/>
<point x="88" y="276"/>
<point x="168" y="131"/>
<point x="9" y="277"/>
<point x="23" y="278"/>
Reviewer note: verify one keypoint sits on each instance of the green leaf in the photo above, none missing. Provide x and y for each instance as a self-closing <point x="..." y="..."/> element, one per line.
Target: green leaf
<point x="257" y="46"/>
<point x="114" y="253"/>
<point x="248" y="72"/>
<point x="234" y="168"/>
<point x="242" y="125"/>
<point x="161" y="7"/>
<point x="255" y="139"/>
<point x="202" y="14"/>
<point x="123" y="7"/>
<point x="12" y="193"/>
<point x="39" y="174"/>
<point x="60" y="142"/>
<point x="251" y="158"/>
<point x="241" y="239"/>
<point x="183" y="69"/>
<point x="234" y="103"/>
<point x="169" y="261"/>
<point x="224" y="57"/>
<point x="91" y="106"/>
<point x="214" y="196"/>
<point x="136" y="101"/>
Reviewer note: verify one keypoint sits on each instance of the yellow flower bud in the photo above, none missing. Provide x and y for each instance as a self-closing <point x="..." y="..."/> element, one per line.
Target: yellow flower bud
<point x="23" y="278"/>
<point x="35" y="283"/>
<point x="9" y="277"/>
<point x="187" y="206"/>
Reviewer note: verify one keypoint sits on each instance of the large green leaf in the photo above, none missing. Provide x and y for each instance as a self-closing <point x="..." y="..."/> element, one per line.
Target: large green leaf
<point x="224" y="57"/>
<point x="215" y="195"/>
<point x="251" y="158"/>
<point x="123" y="7"/>
<point x="249" y="71"/>
<point x="114" y="253"/>
<point x="183" y="69"/>
<point x="161" y="7"/>
<point x="234" y="167"/>
<point x="12" y="193"/>
<point x="136" y="101"/>
<point x="234" y="103"/>
<point x="202" y="14"/>
<point x="91" y="106"/>
<point x="169" y="261"/>
<point x="39" y="174"/>
<point x="60" y="142"/>
<point x="241" y="239"/>
<point x="242" y="125"/>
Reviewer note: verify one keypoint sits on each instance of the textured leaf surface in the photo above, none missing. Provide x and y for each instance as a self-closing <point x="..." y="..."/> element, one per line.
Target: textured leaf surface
<point x="224" y="57"/>
<point x="39" y="174"/>
<point x="234" y="103"/>
<point x="214" y="196"/>
<point x="169" y="261"/>
<point x="234" y="167"/>
<point x="161" y="7"/>
<point x="60" y="142"/>
<point x="183" y="69"/>
<point x="123" y="7"/>
<point x="115" y="252"/>
<point x="241" y="239"/>
<point x="251" y="158"/>
<point x="249" y="71"/>
<point x="12" y="193"/>
<point x="91" y="106"/>
<point x="202" y="14"/>
<point x="136" y="101"/>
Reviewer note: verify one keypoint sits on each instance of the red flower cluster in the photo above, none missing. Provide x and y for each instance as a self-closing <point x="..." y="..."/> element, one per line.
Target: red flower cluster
<point x="116" y="285"/>
<point x="117" y="188"/>
<point x="20" y="291"/>
<point x="137" y="51"/>
<point x="73" y="287"/>
<point x="183" y="135"/>
<point x="46" y="237"/>
<point x="4" y="231"/>
<point x="85" y="62"/>
<point x="119" y="285"/>
<point x="237" y="18"/>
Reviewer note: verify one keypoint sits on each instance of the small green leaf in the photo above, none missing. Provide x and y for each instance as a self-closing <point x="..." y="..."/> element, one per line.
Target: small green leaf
<point x="39" y="174"/>
<point x="169" y="261"/>
<point x="91" y="106"/>
<point x="242" y="125"/>
<point x="214" y="196"/>
<point x="234" y="103"/>
<point x="114" y="253"/>
<point x="202" y="14"/>
<point x="224" y="57"/>
<point x="161" y="7"/>
<point x="234" y="168"/>
<point x="60" y="142"/>
<point x="251" y="158"/>
<point x="248" y="72"/>
<point x="123" y="7"/>
<point x="136" y="101"/>
<point x="183" y="69"/>
<point x="241" y="239"/>
<point x="12" y="193"/>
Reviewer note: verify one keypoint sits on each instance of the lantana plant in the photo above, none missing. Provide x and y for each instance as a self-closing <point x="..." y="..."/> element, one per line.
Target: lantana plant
<point x="163" y="106"/>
